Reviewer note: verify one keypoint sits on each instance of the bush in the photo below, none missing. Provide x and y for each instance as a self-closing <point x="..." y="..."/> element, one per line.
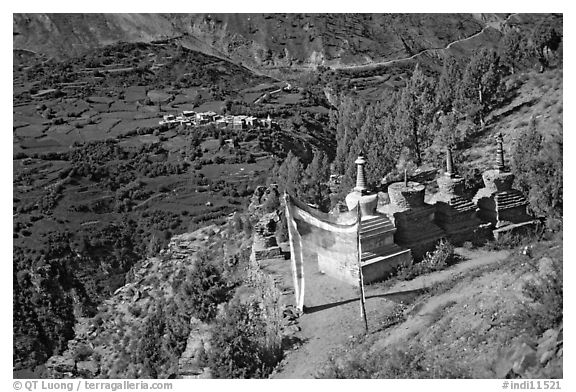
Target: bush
<point x="82" y="352"/>
<point x="398" y="361"/>
<point x="206" y="288"/>
<point x="441" y="258"/>
<point x="241" y="345"/>
<point x="512" y="240"/>
<point x="546" y="293"/>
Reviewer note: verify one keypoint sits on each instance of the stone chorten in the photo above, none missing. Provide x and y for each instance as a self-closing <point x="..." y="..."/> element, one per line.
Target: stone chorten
<point x="413" y="218"/>
<point x="380" y="255"/>
<point x="368" y="201"/>
<point x="455" y="214"/>
<point x="498" y="203"/>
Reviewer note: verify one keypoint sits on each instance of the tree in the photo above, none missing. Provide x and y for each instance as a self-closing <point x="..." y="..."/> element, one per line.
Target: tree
<point x="289" y="175"/>
<point x="351" y="116"/>
<point x="450" y="78"/>
<point x="537" y="164"/>
<point x="512" y="51"/>
<point x="480" y="85"/>
<point x="196" y="99"/>
<point x="317" y="174"/>
<point x="382" y="141"/>
<point x="448" y="134"/>
<point x="415" y="111"/>
<point x="544" y="38"/>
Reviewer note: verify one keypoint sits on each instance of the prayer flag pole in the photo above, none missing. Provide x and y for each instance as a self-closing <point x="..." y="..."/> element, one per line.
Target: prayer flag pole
<point x="360" y="276"/>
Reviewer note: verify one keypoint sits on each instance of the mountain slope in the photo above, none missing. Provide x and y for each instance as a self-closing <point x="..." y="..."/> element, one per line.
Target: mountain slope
<point x="266" y="41"/>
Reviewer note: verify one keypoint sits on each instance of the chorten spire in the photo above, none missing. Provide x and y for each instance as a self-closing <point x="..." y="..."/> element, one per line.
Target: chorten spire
<point x="449" y="163"/>
<point x="500" y="153"/>
<point x="360" y="178"/>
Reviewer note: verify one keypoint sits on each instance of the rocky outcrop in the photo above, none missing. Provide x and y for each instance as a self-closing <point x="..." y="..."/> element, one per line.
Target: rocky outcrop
<point x="533" y="359"/>
<point x="265" y="199"/>
<point x="265" y="207"/>
<point x="100" y="342"/>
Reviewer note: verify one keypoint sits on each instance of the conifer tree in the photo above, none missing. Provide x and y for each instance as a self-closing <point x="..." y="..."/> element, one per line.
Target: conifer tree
<point x="382" y="141"/>
<point x="415" y="111"/>
<point x="479" y="87"/>
<point x="513" y="49"/>
<point x="537" y="164"/>
<point x="544" y="38"/>
<point x="351" y="116"/>
<point x="289" y="175"/>
<point x="317" y="174"/>
<point x="450" y="77"/>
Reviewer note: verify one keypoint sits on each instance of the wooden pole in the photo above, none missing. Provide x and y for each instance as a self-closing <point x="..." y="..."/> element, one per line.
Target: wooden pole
<point x="360" y="276"/>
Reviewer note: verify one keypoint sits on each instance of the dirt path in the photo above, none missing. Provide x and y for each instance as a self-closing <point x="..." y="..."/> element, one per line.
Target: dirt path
<point x="333" y="312"/>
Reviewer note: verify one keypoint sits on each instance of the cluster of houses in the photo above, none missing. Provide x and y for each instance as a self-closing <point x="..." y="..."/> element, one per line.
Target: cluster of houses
<point x="189" y="117"/>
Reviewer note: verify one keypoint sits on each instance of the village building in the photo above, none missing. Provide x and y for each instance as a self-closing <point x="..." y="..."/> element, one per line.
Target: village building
<point x="251" y="121"/>
<point x="239" y="122"/>
<point x="205" y="117"/>
<point x="380" y="256"/>
<point x="187" y="116"/>
<point x="455" y="213"/>
<point x="503" y="207"/>
<point x="168" y="119"/>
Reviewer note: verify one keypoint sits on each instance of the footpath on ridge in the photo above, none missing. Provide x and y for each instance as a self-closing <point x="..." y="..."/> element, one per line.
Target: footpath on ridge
<point x="332" y="314"/>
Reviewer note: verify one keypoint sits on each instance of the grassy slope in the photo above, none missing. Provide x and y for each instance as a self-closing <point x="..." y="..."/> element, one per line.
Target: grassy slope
<point x="462" y="328"/>
<point x="539" y="96"/>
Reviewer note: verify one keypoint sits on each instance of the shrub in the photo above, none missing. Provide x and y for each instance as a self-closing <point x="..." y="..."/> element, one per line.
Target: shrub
<point x="272" y="202"/>
<point x="441" y="258"/>
<point x="206" y="288"/>
<point x="135" y="310"/>
<point x="82" y="352"/>
<point x="511" y="240"/>
<point x="398" y="361"/>
<point x="241" y="344"/>
<point x="20" y="155"/>
<point x="546" y="293"/>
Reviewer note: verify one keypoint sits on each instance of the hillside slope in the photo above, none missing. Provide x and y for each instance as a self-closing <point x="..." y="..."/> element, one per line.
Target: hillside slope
<point x="266" y="41"/>
<point x="484" y="323"/>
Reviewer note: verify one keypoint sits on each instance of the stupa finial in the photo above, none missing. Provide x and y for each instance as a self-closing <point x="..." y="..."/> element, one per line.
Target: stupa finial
<point x="449" y="162"/>
<point x="500" y="153"/>
<point x="360" y="178"/>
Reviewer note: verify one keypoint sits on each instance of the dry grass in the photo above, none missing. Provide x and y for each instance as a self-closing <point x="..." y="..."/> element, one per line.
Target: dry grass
<point x="479" y="314"/>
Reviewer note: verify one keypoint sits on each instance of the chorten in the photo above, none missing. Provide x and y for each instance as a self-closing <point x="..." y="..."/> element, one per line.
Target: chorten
<point x="360" y="194"/>
<point x="455" y="213"/>
<point x="413" y="218"/>
<point x="499" y="204"/>
<point x="380" y="255"/>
